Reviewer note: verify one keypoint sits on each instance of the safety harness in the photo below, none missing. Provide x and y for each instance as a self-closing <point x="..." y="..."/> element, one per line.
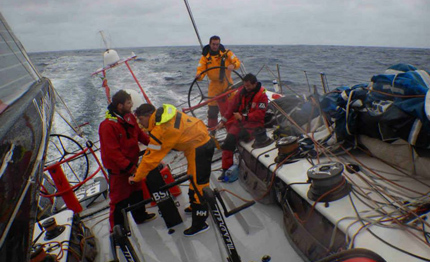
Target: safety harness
<point x="207" y="52"/>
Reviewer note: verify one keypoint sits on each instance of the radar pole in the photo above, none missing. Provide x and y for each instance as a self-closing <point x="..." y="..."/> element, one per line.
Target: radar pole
<point x="104" y="39"/>
<point x="111" y="60"/>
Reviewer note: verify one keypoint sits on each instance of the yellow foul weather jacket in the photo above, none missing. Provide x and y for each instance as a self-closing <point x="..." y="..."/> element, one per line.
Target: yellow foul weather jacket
<point x="218" y="82"/>
<point x="170" y="129"/>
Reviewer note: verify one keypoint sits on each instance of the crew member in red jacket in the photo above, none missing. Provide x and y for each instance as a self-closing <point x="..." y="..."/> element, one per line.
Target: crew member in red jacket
<point x="119" y="136"/>
<point x="245" y="113"/>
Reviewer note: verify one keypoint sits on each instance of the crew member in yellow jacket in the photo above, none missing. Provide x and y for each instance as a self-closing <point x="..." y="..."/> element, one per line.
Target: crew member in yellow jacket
<point x="215" y="55"/>
<point x="171" y="129"/>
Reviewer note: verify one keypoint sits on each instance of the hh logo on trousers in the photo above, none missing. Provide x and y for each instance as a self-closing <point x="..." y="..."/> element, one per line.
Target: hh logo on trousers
<point x="201" y="213"/>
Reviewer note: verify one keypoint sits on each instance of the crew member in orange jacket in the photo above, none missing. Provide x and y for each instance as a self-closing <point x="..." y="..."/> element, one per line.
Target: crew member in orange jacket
<point x="215" y="55"/>
<point x="170" y="129"/>
<point x="119" y="135"/>
<point x="245" y="113"/>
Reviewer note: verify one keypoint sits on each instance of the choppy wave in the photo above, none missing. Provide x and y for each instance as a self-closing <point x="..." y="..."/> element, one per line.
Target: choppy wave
<point x="166" y="73"/>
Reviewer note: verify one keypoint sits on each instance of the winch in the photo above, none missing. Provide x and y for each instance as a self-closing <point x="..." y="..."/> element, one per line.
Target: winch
<point x="327" y="179"/>
<point x="286" y="146"/>
<point x="52" y="229"/>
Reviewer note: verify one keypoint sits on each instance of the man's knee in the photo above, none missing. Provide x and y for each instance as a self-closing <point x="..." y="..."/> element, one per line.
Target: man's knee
<point x="229" y="143"/>
<point x="213" y="111"/>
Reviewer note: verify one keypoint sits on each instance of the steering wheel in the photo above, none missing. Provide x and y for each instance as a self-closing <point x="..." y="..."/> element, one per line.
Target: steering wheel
<point x="197" y="94"/>
<point x="62" y="147"/>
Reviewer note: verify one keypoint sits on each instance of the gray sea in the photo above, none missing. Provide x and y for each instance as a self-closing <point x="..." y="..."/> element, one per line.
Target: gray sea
<point x="166" y="73"/>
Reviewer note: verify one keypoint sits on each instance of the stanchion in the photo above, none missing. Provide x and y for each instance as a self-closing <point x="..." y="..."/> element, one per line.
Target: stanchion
<point x="62" y="185"/>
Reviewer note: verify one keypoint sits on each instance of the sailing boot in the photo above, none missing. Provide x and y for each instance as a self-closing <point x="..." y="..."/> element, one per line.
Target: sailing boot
<point x="222" y="177"/>
<point x="148" y="217"/>
<point x="198" y="224"/>
<point x="188" y="210"/>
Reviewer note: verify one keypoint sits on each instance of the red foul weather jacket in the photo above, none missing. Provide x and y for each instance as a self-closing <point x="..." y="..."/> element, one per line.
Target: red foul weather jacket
<point x="119" y="149"/>
<point x="252" y="105"/>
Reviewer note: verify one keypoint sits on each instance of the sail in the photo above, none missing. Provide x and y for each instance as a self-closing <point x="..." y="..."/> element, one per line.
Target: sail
<point x="26" y="110"/>
<point x="17" y="74"/>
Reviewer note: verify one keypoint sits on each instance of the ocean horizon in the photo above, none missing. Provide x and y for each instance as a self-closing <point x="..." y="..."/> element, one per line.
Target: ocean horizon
<point x="235" y="45"/>
<point x="166" y="73"/>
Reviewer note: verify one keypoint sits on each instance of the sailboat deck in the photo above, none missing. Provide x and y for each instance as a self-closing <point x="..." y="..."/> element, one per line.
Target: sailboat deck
<point x="382" y="195"/>
<point x="256" y="231"/>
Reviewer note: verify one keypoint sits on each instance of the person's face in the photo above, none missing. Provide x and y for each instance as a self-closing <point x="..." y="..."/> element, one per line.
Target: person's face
<point x="126" y="107"/>
<point x="248" y="86"/>
<point x="144" y="120"/>
<point x="214" y="44"/>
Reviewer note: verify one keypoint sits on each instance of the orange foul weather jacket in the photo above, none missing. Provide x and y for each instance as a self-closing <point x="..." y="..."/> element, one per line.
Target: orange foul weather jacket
<point x="219" y="82"/>
<point x="170" y="129"/>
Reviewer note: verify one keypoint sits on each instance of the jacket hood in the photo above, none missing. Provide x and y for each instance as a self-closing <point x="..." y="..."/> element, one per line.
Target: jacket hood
<point x="207" y="49"/>
<point x="161" y="115"/>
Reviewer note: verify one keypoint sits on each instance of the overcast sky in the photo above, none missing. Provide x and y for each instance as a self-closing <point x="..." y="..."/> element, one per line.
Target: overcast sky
<point x="50" y="25"/>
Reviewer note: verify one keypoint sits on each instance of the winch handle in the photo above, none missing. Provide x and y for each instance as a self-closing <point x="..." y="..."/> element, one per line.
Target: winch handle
<point x="239" y="208"/>
<point x="179" y="175"/>
<point x="234" y="210"/>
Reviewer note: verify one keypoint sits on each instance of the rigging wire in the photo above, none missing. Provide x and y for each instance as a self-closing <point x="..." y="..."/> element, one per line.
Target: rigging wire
<point x="345" y="150"/>
<point x="374" y="187"/>
<point x="193" y="22"/>
<point x="20" y="47"/>
<point x="75" y="127"/>
<point x="379" y="238"/>
<point x="287" y="86"/>
<point x="337" y="76"/>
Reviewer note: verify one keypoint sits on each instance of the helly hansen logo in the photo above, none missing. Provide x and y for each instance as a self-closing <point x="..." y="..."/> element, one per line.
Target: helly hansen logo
<point x="262" y="105"/>
<point x="201" y="213"/>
